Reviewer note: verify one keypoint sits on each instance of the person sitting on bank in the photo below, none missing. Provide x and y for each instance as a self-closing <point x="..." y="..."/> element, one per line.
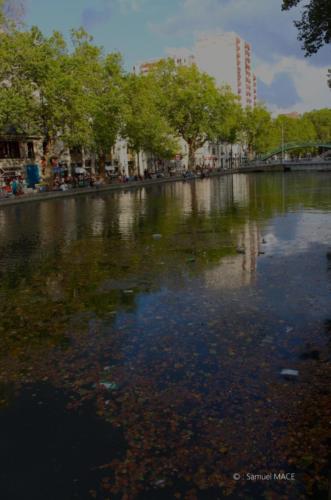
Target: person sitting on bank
<point x="56" y="169"/>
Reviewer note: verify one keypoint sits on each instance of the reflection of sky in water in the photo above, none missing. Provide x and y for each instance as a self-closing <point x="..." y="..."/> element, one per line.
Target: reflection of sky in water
<point x="298" y="232"/>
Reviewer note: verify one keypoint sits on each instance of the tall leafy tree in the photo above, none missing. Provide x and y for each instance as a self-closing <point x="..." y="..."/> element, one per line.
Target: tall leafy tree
<point x="257" y="129"/>
<point x="191" y="101"/>
<point x="321" y="120"/>
<point x="289" y="129"/>
<point x="229" y="116"/>
<point x="146" y="126"/>
<point x="109" y="107"/>
<point x="33" y="69"/>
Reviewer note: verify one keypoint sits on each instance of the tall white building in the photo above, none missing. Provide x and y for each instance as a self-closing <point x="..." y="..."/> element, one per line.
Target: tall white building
<point x="228" y="58"/>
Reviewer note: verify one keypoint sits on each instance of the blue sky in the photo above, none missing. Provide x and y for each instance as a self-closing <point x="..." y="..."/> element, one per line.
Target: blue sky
<point x="145" y="29"/>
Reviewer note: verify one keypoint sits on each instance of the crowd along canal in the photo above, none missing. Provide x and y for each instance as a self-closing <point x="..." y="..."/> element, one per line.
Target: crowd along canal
<point x="143" y="337"/>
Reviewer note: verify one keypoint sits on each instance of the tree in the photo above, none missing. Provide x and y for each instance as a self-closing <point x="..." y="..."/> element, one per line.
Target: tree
<point x="229" y="116"/>
<point x="191" y="101"/>
<point x="33" y="69"/>
<point x="146" y="127"/>
<point x="96" y="101"/>
<point x="292" y="130"/>
<point x="65" y="96"/>
<point x="315" y="24"/>
<point x="257" y="129"/>
<point x="109" y="107"/>
<point x="321" y="120"/>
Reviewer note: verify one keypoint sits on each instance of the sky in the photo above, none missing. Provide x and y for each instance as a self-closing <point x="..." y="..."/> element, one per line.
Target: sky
<point x="147" y="29"/>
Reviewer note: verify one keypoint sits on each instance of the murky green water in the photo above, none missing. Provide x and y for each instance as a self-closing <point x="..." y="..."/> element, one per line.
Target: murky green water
<point x="143" y="335"/>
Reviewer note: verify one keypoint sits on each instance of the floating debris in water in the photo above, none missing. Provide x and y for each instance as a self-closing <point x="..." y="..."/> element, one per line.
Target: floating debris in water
<point x="267" y="340"/>
<point x="289" y="373"/>
<point x="160" y="483"/>
<point x="110" y="386"/>
<point x="157" y="236"/>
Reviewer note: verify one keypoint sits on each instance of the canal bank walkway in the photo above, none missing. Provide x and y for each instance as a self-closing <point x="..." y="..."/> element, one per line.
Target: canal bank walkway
<point x="103" y="188"/>
<point x="250" y="168"/>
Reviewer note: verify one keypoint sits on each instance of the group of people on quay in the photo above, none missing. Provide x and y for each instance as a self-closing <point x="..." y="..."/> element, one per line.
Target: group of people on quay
<point x="58" y="178"/>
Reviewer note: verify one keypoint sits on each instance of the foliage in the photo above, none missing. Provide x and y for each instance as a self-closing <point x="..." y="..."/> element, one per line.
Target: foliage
<point x="315" y="24"/>
<point x="257" y="129"/>
<point x="192" y="103"/>
<point x="321" y="120"/>
<point x="146" y="127"/>
<point x="294" y="129"/>
<point x="230" y="117"/>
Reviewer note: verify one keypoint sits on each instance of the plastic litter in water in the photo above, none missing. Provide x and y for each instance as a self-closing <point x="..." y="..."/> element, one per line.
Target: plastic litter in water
<point x="157" y="236"/>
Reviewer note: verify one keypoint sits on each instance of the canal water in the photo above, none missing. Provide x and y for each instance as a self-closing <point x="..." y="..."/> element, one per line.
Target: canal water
<point x="144" y="337"/>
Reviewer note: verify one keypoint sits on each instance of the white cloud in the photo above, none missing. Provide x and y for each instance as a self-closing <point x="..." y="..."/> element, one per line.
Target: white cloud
<point x="310" y="81"/>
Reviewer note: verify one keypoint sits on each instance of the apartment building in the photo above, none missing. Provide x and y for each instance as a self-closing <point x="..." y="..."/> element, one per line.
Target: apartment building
<point x="228" y="58"/>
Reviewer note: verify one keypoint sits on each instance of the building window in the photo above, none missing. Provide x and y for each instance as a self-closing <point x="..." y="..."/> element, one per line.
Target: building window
<point x="10" y="149"/>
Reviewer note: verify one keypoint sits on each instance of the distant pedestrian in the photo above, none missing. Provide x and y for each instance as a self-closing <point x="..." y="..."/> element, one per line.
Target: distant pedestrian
<point x="14" y="186"/>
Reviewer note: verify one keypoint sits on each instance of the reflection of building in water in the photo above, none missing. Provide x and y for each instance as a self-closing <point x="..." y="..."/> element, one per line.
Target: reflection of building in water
<point x="240" y="189"/>
<point x="213" y="195"/>
<point x="239" y="270"/>
<point x="98" y="206"/>
<point x="131" y="206"/>
<point x="221" y="194"/>
<point x="202" y="192"/>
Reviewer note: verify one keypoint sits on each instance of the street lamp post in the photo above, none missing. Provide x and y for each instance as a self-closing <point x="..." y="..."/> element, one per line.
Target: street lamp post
<point x="282" y="143"/>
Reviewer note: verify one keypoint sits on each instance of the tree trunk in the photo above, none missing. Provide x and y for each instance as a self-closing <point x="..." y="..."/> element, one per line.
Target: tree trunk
<point x="102" y="165"/>
<point x="250" y="152"/>
<point x="191" y="155"/>
<point x="83" y="157"/>
<point x="48" y="152"/>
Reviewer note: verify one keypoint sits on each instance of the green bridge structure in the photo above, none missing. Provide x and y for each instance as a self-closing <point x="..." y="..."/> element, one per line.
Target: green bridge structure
<point x="294" y="145"/>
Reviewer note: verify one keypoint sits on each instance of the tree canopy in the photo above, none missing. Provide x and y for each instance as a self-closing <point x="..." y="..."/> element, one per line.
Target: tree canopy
<point x="315" y="24"/>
